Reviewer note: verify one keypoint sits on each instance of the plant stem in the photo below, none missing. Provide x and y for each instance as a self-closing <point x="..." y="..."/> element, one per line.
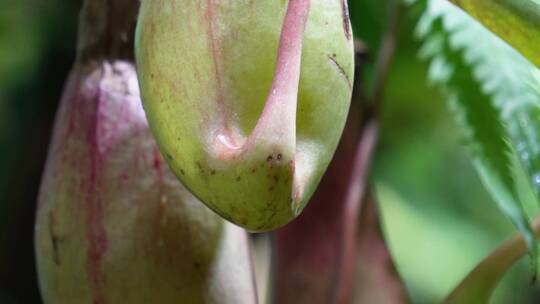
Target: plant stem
<point x="386" y="54"/>
<point x="480" y="283"/>
<point x="107" y="30"/>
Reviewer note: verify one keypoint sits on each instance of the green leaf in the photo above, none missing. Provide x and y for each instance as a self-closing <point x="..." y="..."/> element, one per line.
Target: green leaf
<point x="494" y="92"/>
<point x="516" y="21"/>
<point x="478" y="284"/>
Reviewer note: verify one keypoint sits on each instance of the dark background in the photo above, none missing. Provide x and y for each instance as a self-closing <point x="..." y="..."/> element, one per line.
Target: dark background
<point x="438" y="219"/>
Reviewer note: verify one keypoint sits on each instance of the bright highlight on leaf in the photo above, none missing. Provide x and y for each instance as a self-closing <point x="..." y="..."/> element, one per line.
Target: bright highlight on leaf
<point x="495" y="96"/>
<point x="516" y="21"/>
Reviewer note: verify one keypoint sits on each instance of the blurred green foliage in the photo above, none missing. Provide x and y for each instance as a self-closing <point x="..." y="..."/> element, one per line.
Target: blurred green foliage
<point x="437" y="216"/>
<point x="37" y="42"/>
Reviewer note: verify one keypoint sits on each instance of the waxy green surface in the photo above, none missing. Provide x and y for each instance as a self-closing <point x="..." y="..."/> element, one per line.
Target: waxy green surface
<point x="113" y="224"/>
<point x="515" y="21"/>
<point x="208" y="68"/>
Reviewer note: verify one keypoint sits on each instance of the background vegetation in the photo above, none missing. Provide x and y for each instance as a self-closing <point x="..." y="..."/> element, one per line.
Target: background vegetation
<point x="438" y="218"/>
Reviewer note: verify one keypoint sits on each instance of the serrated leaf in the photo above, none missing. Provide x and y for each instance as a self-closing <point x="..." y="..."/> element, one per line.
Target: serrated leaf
<point x="507" y="78"/>
<point x="516" y="21"/>
<point x="493" y="91"/>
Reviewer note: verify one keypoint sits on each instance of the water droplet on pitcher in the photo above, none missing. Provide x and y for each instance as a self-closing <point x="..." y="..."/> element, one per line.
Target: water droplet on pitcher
<point x="536" y="179"/>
